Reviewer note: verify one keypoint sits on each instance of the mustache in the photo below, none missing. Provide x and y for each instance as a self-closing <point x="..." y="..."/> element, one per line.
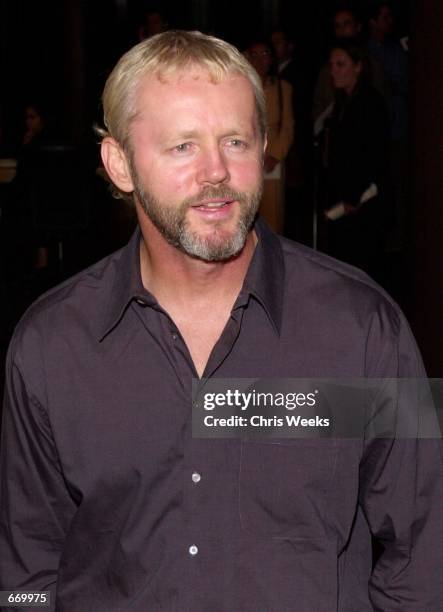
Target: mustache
<point x="220" y="193"/>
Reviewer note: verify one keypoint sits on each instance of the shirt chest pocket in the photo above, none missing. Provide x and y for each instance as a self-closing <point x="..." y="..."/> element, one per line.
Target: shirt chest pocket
<point x="283" y="486"/>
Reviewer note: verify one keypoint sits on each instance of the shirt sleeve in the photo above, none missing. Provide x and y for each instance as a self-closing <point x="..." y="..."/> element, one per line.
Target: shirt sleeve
<point x="401" y="493"/>
<point x="35" y="505"/>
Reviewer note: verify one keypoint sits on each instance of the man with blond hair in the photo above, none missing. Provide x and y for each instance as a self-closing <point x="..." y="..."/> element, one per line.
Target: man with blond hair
<point x="108" y="501"/>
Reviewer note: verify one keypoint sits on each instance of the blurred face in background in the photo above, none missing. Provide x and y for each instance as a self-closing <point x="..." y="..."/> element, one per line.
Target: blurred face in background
<point x="282" y="46"/>
<point x="384" y="23"/>
<point x="346" y="25"/>
<point x="154" y="23"/>
<point x="344" y="71"/>
<point x="33" y="123"/>
<point x="260" y="56"/>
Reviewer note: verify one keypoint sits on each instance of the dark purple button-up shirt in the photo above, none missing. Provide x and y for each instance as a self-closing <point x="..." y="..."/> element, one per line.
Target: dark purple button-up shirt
<point x="109" y="502"/>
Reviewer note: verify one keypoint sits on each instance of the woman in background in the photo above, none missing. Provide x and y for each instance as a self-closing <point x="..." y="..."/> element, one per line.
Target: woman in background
<point x="278" y="94"/>
<point x="39" y="133"/>
<point x="36" y="135"/>
<point x="355" y="159"/>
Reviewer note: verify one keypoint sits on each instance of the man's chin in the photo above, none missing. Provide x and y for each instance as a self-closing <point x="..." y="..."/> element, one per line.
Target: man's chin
<point x="218" y="246"/>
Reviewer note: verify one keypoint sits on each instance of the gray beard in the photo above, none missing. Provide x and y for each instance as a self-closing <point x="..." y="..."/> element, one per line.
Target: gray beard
<point x="173" y="225"/>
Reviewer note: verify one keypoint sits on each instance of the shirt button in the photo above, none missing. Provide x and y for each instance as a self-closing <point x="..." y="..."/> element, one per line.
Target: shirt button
<point x="193" y="550"/>
<point x="196" y="477"/>
<point x="174" y="336"/>
<point x="141" y="302"/>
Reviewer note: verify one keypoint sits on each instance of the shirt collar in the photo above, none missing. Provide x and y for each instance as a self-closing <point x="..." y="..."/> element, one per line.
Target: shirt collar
<point x="266" y="274"/>
<point x="264" y="280"/>
<point x="126" y="286"/>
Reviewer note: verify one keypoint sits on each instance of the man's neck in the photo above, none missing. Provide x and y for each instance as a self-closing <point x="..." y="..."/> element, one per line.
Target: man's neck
<point x="197" y="295"/>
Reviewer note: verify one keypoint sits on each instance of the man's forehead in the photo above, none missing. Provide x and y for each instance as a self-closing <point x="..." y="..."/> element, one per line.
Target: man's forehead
<point x="179" y="88"/>
<point x="190" y="74"/>
<point x="191" y="95"/>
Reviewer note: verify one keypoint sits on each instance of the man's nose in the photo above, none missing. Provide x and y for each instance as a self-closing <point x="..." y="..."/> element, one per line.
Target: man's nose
<point x="213" y="168"/>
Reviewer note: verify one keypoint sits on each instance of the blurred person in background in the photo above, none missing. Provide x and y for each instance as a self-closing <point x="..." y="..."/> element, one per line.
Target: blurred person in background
<point x="355" y="159"/>
<point x="38" y="133"/>
<point x="34" y="123"/>
<point x="31" y="236"/>
<point x="26" y="246"/>
<point x="391" y="55"/>
<point x="278" y="94"/>
<point x="347" y="25"/>
<point x="153" y="22"/>
<point x="291" y="67"/>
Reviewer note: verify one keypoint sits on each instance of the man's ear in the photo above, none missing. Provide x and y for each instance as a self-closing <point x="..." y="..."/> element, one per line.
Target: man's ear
<point x="116" y="164"/>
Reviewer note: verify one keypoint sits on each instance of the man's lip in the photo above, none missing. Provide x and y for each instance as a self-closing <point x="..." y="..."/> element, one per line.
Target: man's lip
<point x="220" y="212"/>
<point x="212" y="201"/>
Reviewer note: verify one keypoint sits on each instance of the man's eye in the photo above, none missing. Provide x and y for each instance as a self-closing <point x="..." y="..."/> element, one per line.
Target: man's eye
<point x="181" y="148"/>
<point x="237" y="143"/>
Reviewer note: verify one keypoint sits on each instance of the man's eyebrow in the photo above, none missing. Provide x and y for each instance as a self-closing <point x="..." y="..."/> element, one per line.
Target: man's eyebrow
<point x="185" y="134"/>
<point x="238" y="131"/>
<point x="174" y="138"/>
<point x="193" y="133"/>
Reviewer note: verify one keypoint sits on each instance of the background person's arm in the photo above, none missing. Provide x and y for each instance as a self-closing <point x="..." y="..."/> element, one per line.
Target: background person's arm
<point x="281" y="140"/>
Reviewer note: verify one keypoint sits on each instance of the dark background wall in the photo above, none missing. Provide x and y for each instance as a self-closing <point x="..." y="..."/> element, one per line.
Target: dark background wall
<point x="427" y="169"/>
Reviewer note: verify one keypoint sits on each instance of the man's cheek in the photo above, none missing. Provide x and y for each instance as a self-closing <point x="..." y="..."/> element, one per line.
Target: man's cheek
<point x="247" y="174"/>
<point x="176" y="182"/>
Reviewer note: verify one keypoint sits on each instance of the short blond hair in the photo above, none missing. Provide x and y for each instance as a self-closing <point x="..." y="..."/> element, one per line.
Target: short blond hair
<point x="163" y="55"/>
